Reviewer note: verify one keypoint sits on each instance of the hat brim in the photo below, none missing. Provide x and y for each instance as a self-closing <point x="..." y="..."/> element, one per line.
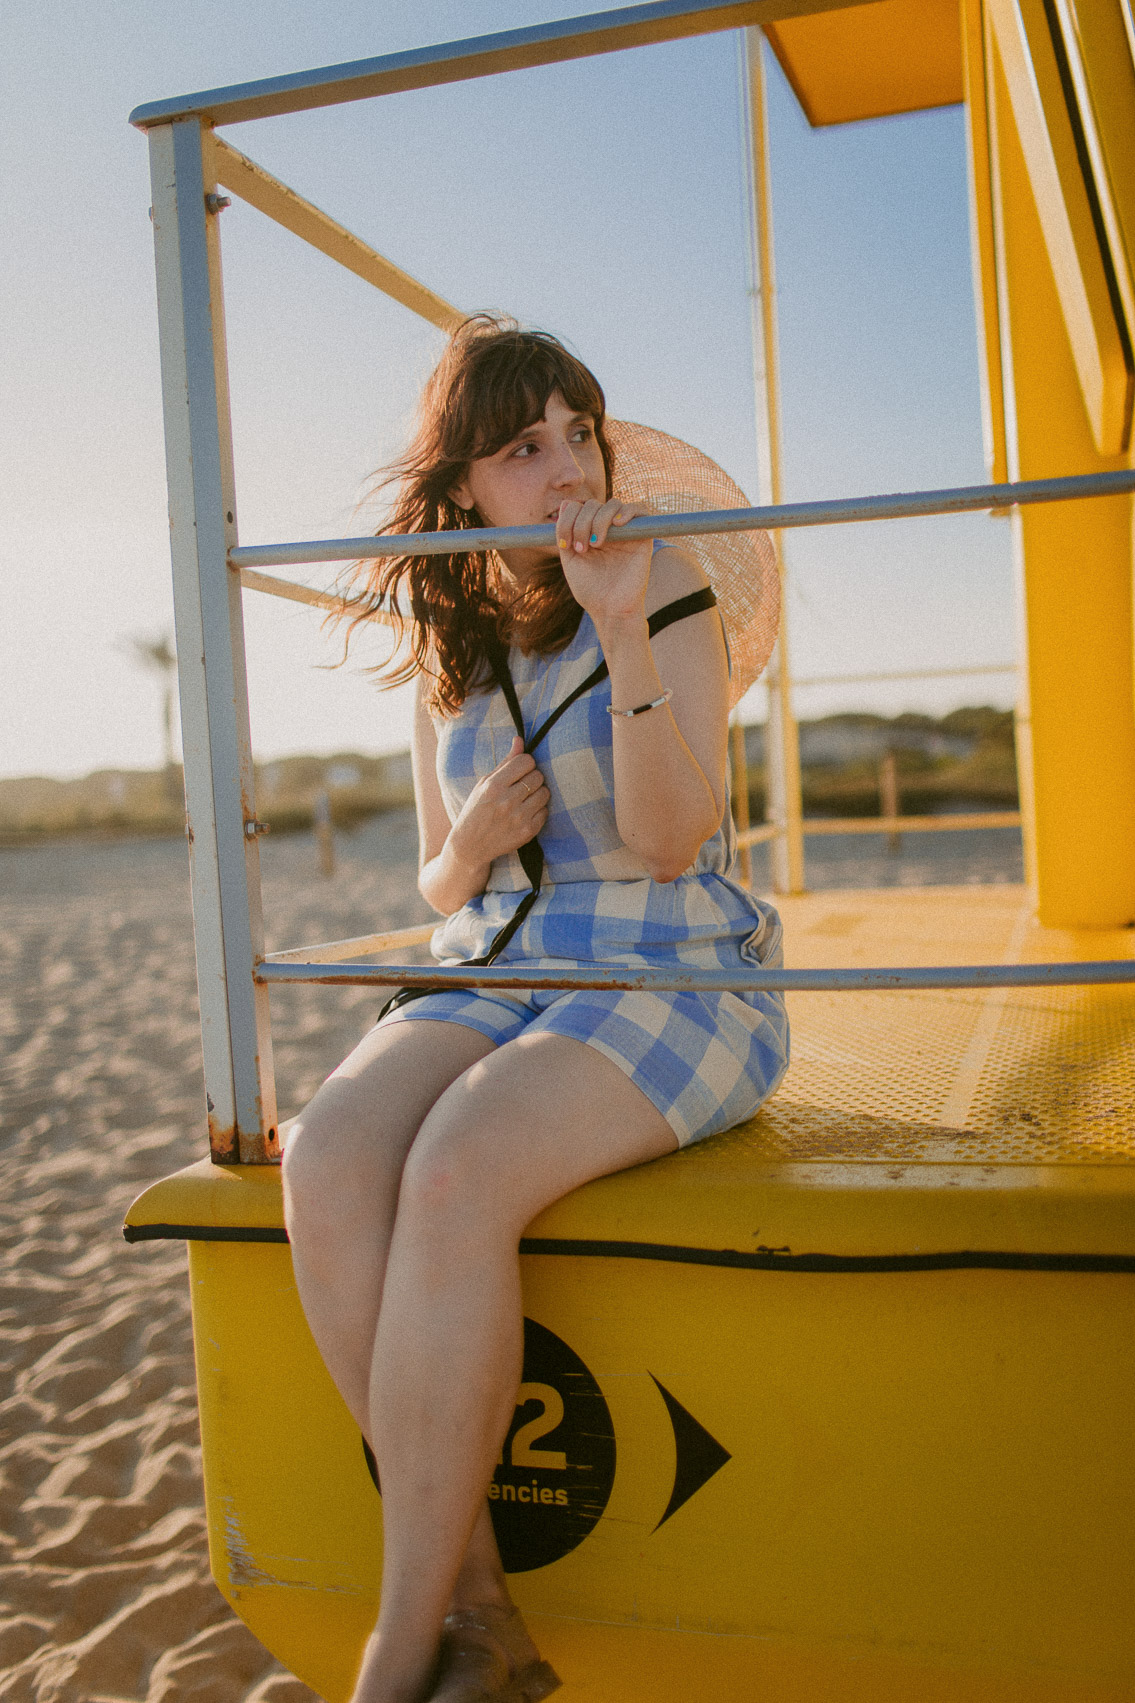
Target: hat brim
<point x="672" y="477"/>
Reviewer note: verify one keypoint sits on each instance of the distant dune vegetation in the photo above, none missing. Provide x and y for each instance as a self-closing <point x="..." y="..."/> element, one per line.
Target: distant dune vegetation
<point x="964" y="758"/>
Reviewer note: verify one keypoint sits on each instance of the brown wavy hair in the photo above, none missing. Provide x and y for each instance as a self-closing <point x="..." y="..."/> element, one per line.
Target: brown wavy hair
<point x="492" y="382"/>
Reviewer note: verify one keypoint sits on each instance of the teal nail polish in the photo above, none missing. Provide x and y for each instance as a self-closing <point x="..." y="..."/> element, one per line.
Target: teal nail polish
<point x="595" y="538"/>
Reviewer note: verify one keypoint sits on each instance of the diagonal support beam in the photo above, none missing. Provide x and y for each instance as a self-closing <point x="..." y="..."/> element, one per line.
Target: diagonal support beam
<point x="273" y="198"/>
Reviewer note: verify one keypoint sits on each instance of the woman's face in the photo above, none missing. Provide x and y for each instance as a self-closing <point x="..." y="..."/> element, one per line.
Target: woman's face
<point x="524" y="483"/>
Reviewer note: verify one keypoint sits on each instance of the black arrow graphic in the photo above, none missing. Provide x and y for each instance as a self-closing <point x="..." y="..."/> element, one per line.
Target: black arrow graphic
<point x="697" y="1455"/>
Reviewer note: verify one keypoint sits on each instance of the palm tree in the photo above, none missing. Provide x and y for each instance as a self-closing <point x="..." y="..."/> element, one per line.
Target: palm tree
<point x="158" y="655"/>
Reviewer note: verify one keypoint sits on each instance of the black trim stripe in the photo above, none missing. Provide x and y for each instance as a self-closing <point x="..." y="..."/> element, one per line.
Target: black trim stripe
<point x="782" y="1259"/>
<point x="761" y="1259"/>
<point x="202" y="1233"/>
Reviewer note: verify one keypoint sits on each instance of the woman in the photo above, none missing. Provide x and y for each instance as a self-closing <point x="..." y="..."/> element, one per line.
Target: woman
<point x="411" y="1176"/>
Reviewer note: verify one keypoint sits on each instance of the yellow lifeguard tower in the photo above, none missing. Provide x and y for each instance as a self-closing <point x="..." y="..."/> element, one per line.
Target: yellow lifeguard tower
<point x="838" y="1406"/>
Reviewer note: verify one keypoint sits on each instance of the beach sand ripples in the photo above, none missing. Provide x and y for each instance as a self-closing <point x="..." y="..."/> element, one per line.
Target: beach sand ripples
<point x="105" y="1594"/>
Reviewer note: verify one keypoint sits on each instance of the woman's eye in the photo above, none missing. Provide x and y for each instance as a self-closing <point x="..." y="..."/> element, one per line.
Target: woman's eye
<point x="583" y="434"/>
<point x="522" y="450"/>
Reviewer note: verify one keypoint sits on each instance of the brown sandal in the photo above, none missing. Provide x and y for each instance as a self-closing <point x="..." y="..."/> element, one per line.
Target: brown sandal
<point x="483" y="1659"/>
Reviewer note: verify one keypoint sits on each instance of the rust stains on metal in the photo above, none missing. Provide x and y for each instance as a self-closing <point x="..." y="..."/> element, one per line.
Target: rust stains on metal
<point x="229" y="1145"/>
<point x="258" y="1147"/>
<point x="224" y="1144"/>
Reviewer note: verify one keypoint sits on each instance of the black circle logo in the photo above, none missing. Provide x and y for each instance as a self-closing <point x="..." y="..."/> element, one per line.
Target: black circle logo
<point x="557" y="1467"/>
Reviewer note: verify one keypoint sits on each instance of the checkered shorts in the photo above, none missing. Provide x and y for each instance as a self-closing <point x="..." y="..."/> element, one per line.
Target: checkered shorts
<point x="700" y="1058"/>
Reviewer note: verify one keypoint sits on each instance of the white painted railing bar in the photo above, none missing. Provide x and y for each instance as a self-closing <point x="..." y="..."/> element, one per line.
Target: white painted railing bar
<point x="526" y="978"/>
<point x="757" y="836"/>
<point x="252" y="581"/>
<point x="832" y="825"/>
<point x="837" y="511"/>
<point x="974" y="668"/>
<point x="360" y="946"/>
<point x="476" y="56"/>
<point x="912" y="824"/>
<point x="332" y="601"/>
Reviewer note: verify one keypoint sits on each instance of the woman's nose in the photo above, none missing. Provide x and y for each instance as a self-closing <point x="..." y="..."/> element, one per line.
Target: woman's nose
<point x="568" y="471"/>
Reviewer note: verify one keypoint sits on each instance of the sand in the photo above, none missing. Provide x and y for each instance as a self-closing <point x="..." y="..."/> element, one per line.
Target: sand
<point x="105" y="1593"/>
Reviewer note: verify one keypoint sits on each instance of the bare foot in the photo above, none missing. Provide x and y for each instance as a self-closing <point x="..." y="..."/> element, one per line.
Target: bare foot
<point x="486" y="1650"/>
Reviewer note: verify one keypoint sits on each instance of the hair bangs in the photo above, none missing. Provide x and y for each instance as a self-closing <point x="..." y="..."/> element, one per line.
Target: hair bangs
<point x="493" y="381"/>
<point x="513" y="382"/>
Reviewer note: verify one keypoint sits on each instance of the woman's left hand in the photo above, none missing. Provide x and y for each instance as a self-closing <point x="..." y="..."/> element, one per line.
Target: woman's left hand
<point x="607" y="577"/>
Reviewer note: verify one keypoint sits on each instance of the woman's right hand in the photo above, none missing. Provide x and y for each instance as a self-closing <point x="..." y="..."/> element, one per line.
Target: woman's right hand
<point x="505" y="810"/>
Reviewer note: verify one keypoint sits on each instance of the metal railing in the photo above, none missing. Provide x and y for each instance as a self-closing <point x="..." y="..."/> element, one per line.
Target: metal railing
<point x="524" y="978"/>
<point x="188" y="163"/>
<point x="773" y="517"/>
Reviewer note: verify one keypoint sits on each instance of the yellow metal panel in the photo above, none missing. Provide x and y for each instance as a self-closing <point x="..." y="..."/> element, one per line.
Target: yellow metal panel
<point x="294" y="1523"/>
<point x="1083" y="270"/>
<point x="983" y="253"/>
<point x="209" y="1196"/>
<point x="827" y="1178"/>
<point x="870" y="61"/>
<point x="928" y="1491"/>
<point x="1074" y="566"/>
<point x="1101" y="67"/>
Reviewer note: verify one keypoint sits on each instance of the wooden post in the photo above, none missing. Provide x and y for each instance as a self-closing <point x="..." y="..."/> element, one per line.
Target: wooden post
<point x="889" y="799"/>
<point x="324" y="833"/>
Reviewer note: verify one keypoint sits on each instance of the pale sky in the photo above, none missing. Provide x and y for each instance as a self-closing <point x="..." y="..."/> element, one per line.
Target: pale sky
<point x="602" y="200"/>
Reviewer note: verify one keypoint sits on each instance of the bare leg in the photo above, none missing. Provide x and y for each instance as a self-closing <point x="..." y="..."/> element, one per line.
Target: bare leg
<point x="540" y="1117"/>
<point x="343" y="1164"/>
<point x="481" y="1579"/>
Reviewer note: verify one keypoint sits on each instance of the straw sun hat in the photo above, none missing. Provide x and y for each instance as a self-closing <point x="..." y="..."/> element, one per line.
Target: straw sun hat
<point x="671" y="477"/>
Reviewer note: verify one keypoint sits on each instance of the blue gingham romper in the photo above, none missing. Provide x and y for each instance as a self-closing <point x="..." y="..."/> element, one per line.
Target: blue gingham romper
<point x="706" y="1060"/>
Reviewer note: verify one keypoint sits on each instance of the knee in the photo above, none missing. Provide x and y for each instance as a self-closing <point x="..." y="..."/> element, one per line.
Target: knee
<point x="326" y="1172"/>
<point x="449" y="1187"/>
<point x="309" y="1174"/>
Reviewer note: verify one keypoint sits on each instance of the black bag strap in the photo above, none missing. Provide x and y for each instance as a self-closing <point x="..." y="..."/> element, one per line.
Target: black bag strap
<point x="531" y="854"/>
<point x="692" y="604"/>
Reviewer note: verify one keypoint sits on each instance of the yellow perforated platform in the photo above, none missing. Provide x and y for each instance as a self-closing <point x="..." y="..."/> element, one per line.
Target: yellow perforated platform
<point x="1008" y="1075"/>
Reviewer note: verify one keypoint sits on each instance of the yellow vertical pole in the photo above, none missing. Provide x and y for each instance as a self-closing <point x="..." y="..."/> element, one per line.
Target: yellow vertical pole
<point x="784" y="805"/>
<point x="983" y="242"/>
<point x="1074" y="564"/>
<point x="992" y="366"/>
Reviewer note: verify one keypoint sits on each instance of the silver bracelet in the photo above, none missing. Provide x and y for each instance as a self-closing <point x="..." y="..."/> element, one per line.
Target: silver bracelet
<point x="655" y="704"/>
